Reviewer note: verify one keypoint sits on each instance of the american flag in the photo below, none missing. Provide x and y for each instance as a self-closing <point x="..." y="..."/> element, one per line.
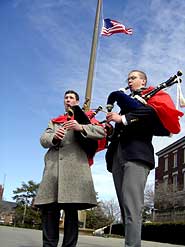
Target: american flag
<point x="111" y="27"/>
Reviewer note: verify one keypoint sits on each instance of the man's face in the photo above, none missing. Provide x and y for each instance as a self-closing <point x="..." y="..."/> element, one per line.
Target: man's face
<point x="70" y="100"/>
<point x="135" y="81"/>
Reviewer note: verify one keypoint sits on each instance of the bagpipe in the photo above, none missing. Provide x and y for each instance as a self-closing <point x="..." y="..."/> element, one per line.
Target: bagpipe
<point x="89" y="145"/>
<point x="77" y="113"/>
<point x="159" y="100"/>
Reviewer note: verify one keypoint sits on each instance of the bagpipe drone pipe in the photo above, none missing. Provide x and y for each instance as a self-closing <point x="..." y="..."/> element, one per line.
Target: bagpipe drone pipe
<point x="159" y="100"/>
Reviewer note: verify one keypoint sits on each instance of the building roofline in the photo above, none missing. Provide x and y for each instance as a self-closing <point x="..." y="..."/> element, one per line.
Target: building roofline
<point x="171" y="146"/>
<point x="7" y="203"/>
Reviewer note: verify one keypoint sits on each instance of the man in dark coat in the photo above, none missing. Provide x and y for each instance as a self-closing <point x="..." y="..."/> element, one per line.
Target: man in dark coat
<point x="132" y="158"/>
<point x="67" y="181"/>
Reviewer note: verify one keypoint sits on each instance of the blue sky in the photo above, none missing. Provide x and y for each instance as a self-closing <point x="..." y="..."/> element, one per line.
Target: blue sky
<point x="45" y="49"/>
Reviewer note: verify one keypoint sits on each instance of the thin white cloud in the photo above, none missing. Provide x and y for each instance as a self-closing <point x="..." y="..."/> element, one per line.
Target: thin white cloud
<point x="163" y="48"/>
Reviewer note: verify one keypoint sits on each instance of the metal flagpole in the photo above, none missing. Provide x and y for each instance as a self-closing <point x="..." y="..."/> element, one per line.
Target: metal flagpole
<point x="87" y="102"/>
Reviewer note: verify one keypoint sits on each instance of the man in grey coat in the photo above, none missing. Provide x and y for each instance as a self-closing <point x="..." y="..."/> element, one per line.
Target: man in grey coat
<point x="67" y="181"/>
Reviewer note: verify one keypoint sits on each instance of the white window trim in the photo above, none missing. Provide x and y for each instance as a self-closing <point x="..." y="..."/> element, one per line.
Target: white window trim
<point x="175" y="158"/>
<point x="183" y="154"/>
<point x="174" y="173"/>
<point x="175" y="186"/>
<point x="166" y="162"/>
<point x="165" y="180"/>
<point x="183" y="174"/>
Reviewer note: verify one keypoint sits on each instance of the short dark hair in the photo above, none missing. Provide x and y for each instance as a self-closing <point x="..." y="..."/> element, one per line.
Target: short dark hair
<point x="142" y="73"/>
<point x="73" y="92"/>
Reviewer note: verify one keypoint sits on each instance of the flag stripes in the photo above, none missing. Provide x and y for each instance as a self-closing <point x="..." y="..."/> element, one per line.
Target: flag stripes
<point x="111" y="27"/>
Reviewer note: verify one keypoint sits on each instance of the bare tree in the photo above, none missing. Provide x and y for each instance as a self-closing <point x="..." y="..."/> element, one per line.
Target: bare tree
<point x="165" y="196"/>
<point x="148" y="202"/>
<point x="168" y="202"/>
<point x="149" y="196"/>
<point x="105" y="214"/>
<point x="112" y="210"/>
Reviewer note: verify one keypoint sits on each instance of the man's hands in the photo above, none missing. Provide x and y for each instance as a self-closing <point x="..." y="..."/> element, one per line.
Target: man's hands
<point x="108" y="129"/>
<point x="69" y="125"/>
<point x="113" y="116"/>
<point x="73" y="125"/>
<point x="59" y="135"/>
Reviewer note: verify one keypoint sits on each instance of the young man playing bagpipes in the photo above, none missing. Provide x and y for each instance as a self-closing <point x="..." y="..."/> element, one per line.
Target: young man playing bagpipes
<point x="130" y="154"/>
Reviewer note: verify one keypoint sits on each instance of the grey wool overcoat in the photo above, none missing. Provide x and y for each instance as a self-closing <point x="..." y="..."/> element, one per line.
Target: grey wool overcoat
<point x="67" y="176"/>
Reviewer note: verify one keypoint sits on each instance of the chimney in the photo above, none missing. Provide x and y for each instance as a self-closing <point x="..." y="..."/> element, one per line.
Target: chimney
<point x="1" y="192"/>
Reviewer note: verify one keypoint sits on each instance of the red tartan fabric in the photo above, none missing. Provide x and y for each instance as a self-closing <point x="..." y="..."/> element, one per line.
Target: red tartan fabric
<point x="101" y="143"/>
<point x="60" y="119"/>
<point x="165" y="109"/>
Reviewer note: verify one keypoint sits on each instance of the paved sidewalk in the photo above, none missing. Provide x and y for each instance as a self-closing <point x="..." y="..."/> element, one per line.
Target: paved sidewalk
<point x="20" y="237"/>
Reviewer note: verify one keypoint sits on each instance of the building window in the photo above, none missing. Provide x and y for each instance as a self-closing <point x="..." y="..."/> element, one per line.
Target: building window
<point x="165" y="180"/>
<point x="175" y="159"/>
<point x="166" y="163"/>
<point x="175" y="181"/>
<point x="183" y="177"/>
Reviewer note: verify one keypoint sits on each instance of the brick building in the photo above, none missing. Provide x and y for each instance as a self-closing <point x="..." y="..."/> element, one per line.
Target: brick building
<point x="7" y="209"/>
<point x="169" y="202"/>
<point x="7" y="212"/>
